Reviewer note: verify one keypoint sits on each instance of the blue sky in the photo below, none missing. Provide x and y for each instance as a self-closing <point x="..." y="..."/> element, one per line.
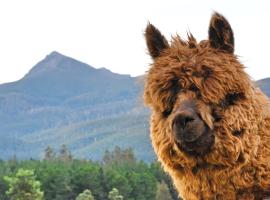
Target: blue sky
<point x="110" y="33"/>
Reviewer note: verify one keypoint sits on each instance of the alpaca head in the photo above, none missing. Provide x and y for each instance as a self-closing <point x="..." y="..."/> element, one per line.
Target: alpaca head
<point x="201" y="98"/>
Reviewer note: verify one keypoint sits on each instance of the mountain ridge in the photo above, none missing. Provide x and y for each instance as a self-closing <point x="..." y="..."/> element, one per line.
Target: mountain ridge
<point x="65" y="101"/>
<point x="62" y="100"/>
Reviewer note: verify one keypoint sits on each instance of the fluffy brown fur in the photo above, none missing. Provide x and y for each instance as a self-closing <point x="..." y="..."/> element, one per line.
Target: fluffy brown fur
<point x="207" y="74"/>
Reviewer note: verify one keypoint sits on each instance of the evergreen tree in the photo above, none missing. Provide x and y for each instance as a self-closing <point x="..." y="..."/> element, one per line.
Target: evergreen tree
<point x="129" y="156"/>
<point x="160" y="175"/>
<point x="163" y="192"/>
<point x="117" y="154"/>
<point x="24" y="186"/>
<point x="55" y="180"/>
<point x="114" y="195"/>
<point x="116" y="177"/>
<point x="13" y="163"/>
<point x="103" y="183"/>
<point x="64" y="154"/>
<point x="86" y="175"/>
<point x="85" y="195"/>
<point x="107" y="158"/>
<point x="49" y="154"/>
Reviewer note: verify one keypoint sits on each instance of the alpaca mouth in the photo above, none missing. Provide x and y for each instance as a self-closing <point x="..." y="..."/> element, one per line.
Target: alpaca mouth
<point x="199" y="147"/>
<point x="191" y="133"/>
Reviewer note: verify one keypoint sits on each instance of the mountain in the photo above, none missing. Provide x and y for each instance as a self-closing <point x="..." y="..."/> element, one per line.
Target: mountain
<point x="264" y="84"/>
<point x="64" y="101"/>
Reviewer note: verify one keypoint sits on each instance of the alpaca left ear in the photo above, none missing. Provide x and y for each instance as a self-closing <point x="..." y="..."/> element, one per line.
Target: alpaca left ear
<point x="155" y="41"/>
<point x="220" y="34"/>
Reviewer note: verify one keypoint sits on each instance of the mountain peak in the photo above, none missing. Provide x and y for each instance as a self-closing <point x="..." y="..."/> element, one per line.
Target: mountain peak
<point x="56" y="61"/>
<point x="55" y="54"/>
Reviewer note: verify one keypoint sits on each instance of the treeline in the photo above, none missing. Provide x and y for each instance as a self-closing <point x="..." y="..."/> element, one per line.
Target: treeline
<point x="61" y="177"/>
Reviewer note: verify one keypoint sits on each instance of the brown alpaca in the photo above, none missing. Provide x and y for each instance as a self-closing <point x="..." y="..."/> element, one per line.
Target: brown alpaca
<point x="210" y="125"/>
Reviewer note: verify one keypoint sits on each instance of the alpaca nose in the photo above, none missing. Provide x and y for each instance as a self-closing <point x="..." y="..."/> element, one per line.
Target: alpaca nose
<point x="184" y="126"/>
<point x="183" y="119"/>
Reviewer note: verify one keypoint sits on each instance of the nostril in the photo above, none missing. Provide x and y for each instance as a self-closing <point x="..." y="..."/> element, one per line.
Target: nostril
<point x="186" y="120"/>
<point x="182" y="120"/>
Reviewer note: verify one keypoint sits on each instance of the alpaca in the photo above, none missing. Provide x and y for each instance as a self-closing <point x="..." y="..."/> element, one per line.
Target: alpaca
<point x="210" y="125"/>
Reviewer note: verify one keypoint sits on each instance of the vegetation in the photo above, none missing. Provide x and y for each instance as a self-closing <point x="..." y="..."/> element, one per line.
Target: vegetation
<point x="163" y="192"/>
<point x="86" y="195"/>
<point x="23" y="186"/>
<point x="114" y="195"/>
<point x="61" y="177"/>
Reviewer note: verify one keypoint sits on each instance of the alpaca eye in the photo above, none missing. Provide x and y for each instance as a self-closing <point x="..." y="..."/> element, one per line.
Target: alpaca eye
<point x="174" y="90"/>
<point x="167" y="112"/>
<point x="238" y="133"/>
<point x="231" y="98"/>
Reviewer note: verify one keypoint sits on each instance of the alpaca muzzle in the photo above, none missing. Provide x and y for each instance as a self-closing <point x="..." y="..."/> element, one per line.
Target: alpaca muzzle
<point x="190" y="132"/>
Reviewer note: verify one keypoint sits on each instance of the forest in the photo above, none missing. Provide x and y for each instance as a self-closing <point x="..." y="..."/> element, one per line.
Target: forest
<point x="59" y="176"/>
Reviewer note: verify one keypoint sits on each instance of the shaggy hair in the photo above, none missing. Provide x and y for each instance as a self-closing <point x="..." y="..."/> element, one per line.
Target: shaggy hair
<point x="236" y="165"/>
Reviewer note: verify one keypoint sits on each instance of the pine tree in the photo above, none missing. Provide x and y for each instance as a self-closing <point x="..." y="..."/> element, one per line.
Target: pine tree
<point x="129" y="156"/>
<point x="85" y="195"/>
<point x="49" y="154"/>
<point x="163" y="192"/>
<point x="24" y="186"/>
<point x="107" y="158"/>
<point x="117" y="154"/>
<point x="114" y="195"/>
<point x="64" y="154"/>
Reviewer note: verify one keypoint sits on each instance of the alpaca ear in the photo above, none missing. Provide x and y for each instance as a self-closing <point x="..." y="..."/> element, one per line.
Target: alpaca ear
<point x="220" y="34"/>
<point x="155" y="41"/>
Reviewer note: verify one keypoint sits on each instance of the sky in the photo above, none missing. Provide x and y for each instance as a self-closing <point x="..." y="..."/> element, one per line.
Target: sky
<point x="109" y="33"/>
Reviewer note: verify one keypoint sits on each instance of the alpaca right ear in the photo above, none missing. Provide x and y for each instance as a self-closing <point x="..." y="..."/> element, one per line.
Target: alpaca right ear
<point x="220" y="34"/>
<point x="155" y="41"/>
